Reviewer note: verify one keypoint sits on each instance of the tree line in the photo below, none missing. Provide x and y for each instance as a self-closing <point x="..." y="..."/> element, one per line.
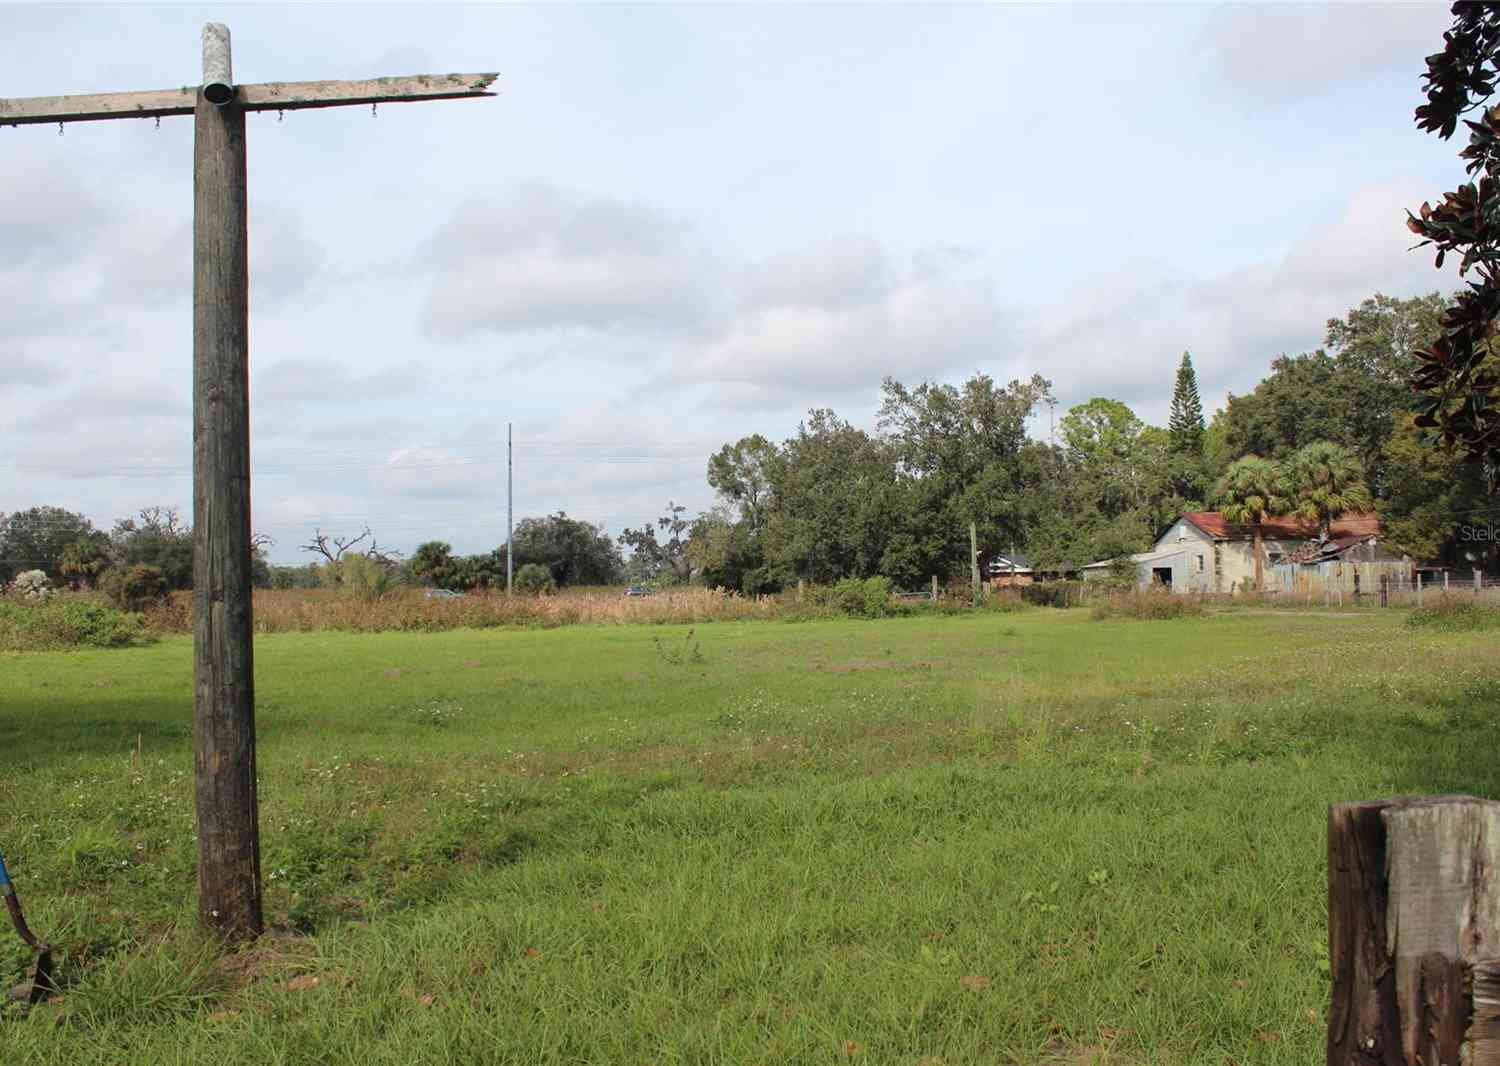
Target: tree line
<point x="140" y="558"/>
<point x="1325" y="432"/>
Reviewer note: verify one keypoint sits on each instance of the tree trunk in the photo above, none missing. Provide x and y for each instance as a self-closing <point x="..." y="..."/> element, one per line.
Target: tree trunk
<point x="1257" y="546"/>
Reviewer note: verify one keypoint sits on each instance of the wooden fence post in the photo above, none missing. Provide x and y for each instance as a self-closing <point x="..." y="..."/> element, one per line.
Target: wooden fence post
<point x="1445" y="582"/>
<point x="1385" y="590"/>
<point x="1414" y="932"/>
<point x="1478" y="581"/>
<point x="934" y="588"/>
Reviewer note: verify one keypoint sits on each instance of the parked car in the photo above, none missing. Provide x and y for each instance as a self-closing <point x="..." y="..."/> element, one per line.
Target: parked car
<point x="637" y="590"/>
<point x="442" y="594"/>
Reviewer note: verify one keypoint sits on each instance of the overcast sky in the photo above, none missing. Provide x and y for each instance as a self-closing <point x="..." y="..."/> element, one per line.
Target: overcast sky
<point x="676" y="226"/>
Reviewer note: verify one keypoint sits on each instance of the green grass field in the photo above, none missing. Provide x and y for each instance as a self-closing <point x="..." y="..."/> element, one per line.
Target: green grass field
<point x="985" y="839"/>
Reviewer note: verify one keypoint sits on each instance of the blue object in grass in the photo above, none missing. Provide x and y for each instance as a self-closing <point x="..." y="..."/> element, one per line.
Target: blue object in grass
<point x="5" y="877"/>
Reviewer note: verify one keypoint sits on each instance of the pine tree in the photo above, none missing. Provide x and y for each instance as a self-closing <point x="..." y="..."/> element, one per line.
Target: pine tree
<point x="1187" y="411"/>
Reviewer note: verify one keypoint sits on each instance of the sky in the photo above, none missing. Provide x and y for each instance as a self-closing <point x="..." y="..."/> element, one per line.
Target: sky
<point x="676" y="226"/>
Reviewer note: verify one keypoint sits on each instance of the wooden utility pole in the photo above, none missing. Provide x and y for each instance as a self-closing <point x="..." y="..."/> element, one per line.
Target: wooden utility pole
<point x="223" y="661"/>
<point x="1414" y="932"/>
<point x="510" y="515"/>
<point x="224" y="692"/>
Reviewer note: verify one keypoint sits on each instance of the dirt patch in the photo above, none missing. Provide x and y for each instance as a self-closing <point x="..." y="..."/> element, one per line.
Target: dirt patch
<point x="273" y="956"/>
<point x="1081" y="1055"/>
<point x="1294" y="612"/>
<point x="854" y="666"/>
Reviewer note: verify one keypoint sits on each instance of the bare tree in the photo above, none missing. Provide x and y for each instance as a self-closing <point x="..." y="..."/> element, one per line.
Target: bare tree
<point x="333" y="548"/>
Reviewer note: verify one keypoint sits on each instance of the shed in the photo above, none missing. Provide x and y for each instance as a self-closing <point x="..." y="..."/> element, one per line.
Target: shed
<point x="1008" y="570"/>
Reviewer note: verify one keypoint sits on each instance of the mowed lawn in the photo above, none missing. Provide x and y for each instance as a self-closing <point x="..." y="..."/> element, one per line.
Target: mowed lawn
<point x="995" y="838"/>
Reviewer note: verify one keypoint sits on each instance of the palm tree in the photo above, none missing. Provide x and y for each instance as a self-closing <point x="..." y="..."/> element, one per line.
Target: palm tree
<point x="1329" y="482"/>
<point x="1252" y="490"/>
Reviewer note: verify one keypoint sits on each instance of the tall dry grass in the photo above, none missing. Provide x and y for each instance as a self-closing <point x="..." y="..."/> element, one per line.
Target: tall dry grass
<point x="1148" y="605"/>
<point x="308" y="610"/>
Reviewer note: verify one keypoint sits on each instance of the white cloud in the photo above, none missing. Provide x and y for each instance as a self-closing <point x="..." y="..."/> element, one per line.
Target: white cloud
<point x="845" y="273"/>
<point x="1286" y="51"/>
<point x="44" y="206"/>
<point x="18" y="370"/>
<point x="286" y="385"/>
<point x="1121" y="337"/>
<point x="284" y="260"/>
<point x="546" y="258"/>
<point x="841" y="317"/>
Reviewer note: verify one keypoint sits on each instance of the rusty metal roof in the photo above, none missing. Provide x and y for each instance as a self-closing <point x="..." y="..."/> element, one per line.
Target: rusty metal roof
<point x="1357" y="526"/>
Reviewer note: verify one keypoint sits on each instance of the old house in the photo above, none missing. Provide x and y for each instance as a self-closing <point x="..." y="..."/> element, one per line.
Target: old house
<point x="1353" y="562"/>
<point x="1009" y="570"/>
<point x="1201" y="552"/>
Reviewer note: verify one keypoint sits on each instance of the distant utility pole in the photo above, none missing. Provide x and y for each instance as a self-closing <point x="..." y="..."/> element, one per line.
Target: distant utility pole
<point x="229" y="886"/>
<point x="510" y="514"/>
<point x="974" y="560"/>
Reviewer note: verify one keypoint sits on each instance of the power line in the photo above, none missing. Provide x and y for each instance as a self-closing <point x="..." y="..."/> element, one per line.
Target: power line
<point x="389" y="466"/>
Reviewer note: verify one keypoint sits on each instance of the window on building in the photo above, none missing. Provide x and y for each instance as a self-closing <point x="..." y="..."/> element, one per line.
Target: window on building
<point x="1200" y="564"/>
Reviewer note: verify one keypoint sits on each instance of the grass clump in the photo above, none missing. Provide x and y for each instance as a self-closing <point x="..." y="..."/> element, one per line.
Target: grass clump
<point x="62" y="622"/>
<point x="1004" y="601"/>
<point x="1458" y="613"/>
<point x="1147" y="606"/>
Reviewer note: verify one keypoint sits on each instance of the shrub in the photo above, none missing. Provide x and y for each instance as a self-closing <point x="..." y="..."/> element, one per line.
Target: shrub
<point x="1455" y="613"/>
<point x="536" y="580"/>
<point x="67" y="622"/>
<point x="859" y="598"/>
<point x="1004" y="600"/>
<point x="1054" y="593"/>
<point x="132" y="588"/>
<point x="362" y="578"/>
<point x="31" y="585"/>
<point x="1148" y="606"/>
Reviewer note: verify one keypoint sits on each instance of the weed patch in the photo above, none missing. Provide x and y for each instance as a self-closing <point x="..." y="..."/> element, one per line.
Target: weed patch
<point x="1455" y="614"/>
<point x="1147" y="607"/>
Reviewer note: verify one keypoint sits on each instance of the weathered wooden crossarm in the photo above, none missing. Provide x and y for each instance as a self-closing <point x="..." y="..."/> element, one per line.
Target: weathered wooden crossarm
<point x="269" y="96"/>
